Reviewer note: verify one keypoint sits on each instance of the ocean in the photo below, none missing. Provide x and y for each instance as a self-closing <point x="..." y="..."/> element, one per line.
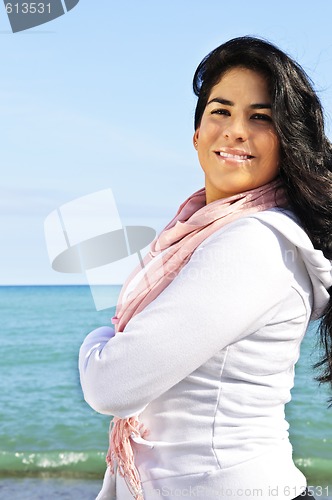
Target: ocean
<point x="52" y="444"/>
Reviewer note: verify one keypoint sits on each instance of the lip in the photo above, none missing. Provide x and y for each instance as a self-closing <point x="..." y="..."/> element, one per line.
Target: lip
<point x="234" y="155"/>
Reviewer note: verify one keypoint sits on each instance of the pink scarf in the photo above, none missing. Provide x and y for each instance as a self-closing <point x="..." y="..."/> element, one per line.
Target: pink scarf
<point x="192" y="224"/>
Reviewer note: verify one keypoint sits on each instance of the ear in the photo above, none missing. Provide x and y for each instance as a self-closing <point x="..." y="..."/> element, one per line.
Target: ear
<point x="195" y="138"/>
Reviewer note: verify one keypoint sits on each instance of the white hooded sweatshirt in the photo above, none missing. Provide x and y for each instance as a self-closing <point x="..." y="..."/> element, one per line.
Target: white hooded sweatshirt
<point x="209" y="364"/>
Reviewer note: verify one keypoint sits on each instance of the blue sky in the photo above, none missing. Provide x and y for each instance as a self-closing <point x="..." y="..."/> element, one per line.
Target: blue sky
<point x="101" y="98"/>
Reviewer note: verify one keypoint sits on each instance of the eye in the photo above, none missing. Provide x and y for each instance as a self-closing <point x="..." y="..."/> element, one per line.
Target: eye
<point x="261" y="116"/>
<point x="220" y="111"/>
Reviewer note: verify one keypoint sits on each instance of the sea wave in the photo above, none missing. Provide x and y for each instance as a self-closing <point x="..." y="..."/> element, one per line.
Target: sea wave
<point x="53" y="463"/>
<point x="91" y="464"/>
<point x="317" y="470"/>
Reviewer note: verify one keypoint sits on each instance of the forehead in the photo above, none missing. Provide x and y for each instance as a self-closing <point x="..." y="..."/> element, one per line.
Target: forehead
<point x="242" y="82"/>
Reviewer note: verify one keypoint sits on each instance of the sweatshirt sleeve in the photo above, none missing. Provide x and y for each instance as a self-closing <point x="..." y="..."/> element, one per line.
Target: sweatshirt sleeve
<point x="232" y="286"/>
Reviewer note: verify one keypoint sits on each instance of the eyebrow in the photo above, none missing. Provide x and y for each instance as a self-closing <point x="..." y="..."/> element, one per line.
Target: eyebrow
<point x="225" y="102"/>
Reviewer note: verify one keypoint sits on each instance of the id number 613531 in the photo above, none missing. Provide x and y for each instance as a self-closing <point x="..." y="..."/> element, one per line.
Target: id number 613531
<point x="28" y="8"/>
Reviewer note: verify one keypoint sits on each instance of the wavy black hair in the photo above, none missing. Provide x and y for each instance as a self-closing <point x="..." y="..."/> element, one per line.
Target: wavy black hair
<point x="305" y="151"/>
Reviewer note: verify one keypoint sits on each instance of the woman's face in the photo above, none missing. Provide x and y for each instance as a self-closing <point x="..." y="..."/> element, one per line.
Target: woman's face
<point x="237" y="145"/>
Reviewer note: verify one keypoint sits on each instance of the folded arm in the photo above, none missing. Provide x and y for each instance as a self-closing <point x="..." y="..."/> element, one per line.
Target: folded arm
<point x="232" y="285"/>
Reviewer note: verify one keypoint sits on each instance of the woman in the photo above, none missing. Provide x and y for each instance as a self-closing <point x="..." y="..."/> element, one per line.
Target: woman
<point x="208" y="333"/>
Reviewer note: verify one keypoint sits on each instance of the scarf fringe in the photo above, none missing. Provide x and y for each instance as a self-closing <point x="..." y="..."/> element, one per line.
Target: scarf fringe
<point x="120" y="451"/>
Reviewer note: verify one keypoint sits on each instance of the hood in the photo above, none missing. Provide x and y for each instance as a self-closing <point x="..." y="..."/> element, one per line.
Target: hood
<point x="319" y="267"/>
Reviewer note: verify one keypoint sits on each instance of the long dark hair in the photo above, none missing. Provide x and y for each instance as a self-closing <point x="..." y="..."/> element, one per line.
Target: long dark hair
<point x="305" y="151"/>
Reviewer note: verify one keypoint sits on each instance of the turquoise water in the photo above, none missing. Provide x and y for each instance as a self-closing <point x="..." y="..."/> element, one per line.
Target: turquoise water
<point x="47" y="429"/>
<point x="45" y="425"/>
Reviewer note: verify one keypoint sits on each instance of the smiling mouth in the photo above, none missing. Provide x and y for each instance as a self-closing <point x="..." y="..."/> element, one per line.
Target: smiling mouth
<point x="234" y="157"/>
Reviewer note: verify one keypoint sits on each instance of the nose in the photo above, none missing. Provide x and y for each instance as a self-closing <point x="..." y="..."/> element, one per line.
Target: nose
<point x="236" y="129"/>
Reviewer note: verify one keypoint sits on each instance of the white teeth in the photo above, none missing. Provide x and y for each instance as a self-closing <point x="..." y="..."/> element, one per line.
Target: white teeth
<point x="236" y="157"/>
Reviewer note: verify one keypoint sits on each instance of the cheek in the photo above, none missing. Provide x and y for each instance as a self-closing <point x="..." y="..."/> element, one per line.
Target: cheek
<point x="209" y="131"/>
<point x="270" y="147"/>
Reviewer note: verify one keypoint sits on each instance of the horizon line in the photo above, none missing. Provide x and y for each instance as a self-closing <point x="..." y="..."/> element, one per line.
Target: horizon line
<point x="55" y="284"/>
